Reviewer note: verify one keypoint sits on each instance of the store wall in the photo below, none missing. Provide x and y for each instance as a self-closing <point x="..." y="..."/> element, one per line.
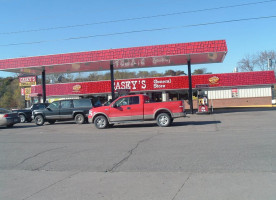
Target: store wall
<point x="242" y="102"/>
<point x="240" y="92"/>
<point x="235" y="102"/>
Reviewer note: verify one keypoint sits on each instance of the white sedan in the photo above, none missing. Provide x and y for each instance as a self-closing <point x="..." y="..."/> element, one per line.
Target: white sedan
<point x="8" y="118"/>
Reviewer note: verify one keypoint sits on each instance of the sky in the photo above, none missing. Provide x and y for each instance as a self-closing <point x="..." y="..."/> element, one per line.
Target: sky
<point x="23" y="23"/>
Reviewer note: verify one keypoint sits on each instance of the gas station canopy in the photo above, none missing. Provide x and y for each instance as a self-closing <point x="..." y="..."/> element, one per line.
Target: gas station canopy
<point x="124" y="58"/>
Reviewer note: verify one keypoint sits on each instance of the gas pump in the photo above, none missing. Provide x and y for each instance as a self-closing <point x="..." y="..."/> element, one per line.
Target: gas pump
<point x="202" y="102"/>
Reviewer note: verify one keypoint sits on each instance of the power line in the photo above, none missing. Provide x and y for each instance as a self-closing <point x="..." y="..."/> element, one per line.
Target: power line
<point x="135" y="18"/>
<point x="139" y="31"/>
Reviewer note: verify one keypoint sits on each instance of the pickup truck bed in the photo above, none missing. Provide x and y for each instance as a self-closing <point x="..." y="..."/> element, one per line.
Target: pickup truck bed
<point x="26" y="114"/>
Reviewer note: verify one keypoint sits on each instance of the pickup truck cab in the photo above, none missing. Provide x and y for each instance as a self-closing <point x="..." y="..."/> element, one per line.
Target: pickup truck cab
<point x="68" y="109"/>
<point x="136" y="108"/>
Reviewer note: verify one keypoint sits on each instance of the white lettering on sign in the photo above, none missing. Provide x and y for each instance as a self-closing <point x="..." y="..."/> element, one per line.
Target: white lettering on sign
<point x="161" y="60"/>
<point x="132" y="85"/>
<point x="129" y="63"/>
<point x="161" y="83"/>
<point x="27" y="79"/>
<point x="143" y="82"/>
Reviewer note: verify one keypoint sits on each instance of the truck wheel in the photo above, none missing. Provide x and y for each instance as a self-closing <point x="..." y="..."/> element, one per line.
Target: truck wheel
<point x="39" y="120"/>
<point x="163" y="120"/>
<point x="22" y="118"/>
<point x="79" y="119"/>
<point x="101" y="122"/>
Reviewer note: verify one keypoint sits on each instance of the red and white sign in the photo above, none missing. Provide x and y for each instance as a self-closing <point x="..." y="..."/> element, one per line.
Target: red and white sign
<point x="235" y="92"/>
<point x="27" y="81"/>
<point x="22" y="91"/>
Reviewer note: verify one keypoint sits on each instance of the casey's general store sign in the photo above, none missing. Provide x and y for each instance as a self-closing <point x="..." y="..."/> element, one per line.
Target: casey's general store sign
<point x="145" y="84"/>
<point x="27" y="81"/>
<point x="159" y="83"/>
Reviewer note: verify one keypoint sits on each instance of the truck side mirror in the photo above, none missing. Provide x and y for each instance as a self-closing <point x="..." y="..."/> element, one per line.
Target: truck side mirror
<point x="114" y="105"/>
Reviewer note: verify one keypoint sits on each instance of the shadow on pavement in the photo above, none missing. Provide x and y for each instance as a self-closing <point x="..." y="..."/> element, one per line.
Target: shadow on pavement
<point x="195" y="123"/>
<point x="19" y="125"/>
<point x="153" y="124"/>
<point x="31" y="125"/>
<point x="231" y="110"/>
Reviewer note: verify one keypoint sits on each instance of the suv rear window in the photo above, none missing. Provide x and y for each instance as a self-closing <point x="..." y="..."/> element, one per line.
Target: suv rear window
<point x="79" y="103"/>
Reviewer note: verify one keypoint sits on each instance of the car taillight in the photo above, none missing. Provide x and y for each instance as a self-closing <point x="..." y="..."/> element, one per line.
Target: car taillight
<point x="6" y="115"/>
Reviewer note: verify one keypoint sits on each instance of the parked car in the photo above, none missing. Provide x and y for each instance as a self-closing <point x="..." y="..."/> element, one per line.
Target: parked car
<point x="136" y="108"/>
<point x="26" y="114"/>
<point x="61" y="110"/>
<point x="8" y="118"/>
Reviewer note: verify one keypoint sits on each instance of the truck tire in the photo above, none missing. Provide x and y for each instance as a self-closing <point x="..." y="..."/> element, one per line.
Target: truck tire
<point x="101" y="122"/>
<point x="163" y="120"/>
<point x="79" y="119"/>
<point x="22" y="118"/>
<point x="39" y="120"/>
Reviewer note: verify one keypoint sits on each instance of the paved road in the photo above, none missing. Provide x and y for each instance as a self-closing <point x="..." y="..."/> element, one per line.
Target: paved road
<point x="221" y="156"/>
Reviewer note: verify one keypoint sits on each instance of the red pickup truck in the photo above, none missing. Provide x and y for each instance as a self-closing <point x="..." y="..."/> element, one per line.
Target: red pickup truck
<point x="136" y="108"/>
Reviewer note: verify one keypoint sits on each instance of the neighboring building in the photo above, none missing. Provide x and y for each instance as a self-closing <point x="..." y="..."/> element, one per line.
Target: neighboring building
<point x="224" y="90"/>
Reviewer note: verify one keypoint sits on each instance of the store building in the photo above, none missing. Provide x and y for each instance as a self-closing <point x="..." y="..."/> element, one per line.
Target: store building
<point x="224" y="90"/>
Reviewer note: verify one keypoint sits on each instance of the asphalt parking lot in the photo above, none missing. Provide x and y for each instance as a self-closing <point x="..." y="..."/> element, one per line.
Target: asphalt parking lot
<point x="227" y="155"/>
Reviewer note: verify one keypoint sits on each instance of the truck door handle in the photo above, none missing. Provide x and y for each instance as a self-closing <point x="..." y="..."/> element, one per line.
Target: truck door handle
<point x="128" y="108"/>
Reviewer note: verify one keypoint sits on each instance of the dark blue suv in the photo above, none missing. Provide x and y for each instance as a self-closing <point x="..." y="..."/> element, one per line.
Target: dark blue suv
<point x="62" y="110"/>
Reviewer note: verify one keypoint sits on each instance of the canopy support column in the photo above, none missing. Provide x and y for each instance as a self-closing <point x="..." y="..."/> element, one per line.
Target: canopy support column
<point x="112" y="80"/>
<point x="43" y="86"/>
<point x="190" y="87"/>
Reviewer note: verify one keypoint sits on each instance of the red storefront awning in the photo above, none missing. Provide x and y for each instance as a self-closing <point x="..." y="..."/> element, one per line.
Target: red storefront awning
<point x="124" y="58"/>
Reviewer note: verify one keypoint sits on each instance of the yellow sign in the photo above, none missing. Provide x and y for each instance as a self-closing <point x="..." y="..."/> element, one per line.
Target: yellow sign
<point x="214" y="80"/>
<point x="76" y="88"/>
<point x="27" y="84"/>
<point x="28" y="91"/>
<point x="27" y="81"/>
<point x="27" y="97"/>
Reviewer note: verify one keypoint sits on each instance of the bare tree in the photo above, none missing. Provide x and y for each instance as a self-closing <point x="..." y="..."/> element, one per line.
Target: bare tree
<point x="247" y="64"/>
<point x="258" y="61"/>
<point x="262" y="60"/>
